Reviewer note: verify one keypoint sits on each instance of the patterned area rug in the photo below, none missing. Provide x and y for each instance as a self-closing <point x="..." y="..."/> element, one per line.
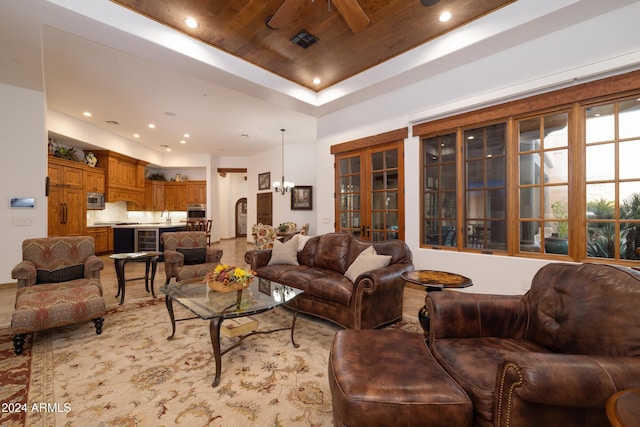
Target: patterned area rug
<point x="132" y="376"/>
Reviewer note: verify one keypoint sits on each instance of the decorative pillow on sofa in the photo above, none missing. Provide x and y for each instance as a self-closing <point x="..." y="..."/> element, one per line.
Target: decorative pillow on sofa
<point x="63" y="274"/>
<point x="302" y="240"/>
<point x="193" y="255"/>
<point x="285" y="253"/>
<point x="367" y="260"/>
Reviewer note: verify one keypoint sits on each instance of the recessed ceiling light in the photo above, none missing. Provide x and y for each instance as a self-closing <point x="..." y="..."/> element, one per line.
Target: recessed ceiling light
<point x="186" y="135"/>
<point x="136" y="135"/>
<point x="445" y="16"/>
<point x="317" y="81"/>
<point x="152" y="126"/>
<point x="86" y="114"/>
<point x="191" y="23"/>
<point x="182" y="141"/>
<point x="168" y="149"/>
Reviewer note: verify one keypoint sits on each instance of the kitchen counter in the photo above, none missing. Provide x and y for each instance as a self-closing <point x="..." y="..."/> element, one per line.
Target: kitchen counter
<point x="138" y="225"/>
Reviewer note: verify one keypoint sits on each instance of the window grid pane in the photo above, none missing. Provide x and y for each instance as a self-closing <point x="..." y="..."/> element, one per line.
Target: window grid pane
<point x="439" y="190"/>
<point x="543" y="166"/>
<point x="485" y="187"/>
<point x="613" y="193"/>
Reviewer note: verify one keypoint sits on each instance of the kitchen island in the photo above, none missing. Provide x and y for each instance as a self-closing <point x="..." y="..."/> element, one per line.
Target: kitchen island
<point x="139" y="237"/>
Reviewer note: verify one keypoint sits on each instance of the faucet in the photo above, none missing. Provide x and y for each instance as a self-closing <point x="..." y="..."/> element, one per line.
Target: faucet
<point x="168" y="216"/>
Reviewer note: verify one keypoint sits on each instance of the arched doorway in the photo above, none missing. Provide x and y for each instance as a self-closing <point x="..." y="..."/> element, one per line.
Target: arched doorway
<point x="241" y="217"/>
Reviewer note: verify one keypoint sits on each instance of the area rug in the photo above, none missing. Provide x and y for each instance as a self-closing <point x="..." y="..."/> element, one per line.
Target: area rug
<point x="131" y="375"/>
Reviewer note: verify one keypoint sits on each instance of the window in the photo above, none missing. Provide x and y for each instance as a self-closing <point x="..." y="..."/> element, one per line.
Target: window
<point x="485" y="187"/>
<point x="613" y="179"/>
<point x="553" y="175"/>
<point x="439" y="190"/>
<point x="543" y="165"/>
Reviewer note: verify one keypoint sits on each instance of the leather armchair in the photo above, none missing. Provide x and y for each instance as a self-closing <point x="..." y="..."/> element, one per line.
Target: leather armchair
<point x="551" y="357"/>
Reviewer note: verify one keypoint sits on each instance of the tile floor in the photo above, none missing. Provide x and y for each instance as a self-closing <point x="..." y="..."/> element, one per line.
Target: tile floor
<point x="233" y="249"/>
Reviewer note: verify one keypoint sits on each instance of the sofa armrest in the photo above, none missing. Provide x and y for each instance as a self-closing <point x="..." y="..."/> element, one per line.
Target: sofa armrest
<point x="467" y="315"/>
<point x="25" y="273"/>
<point x="556" y="379"/>
<point x="213" y="255"/>
<point x="257" y="258"/>
<point x="382" y="278"/>
<point x="92" y="267"/>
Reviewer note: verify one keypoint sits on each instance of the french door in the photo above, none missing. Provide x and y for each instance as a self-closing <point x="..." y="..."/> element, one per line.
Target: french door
<point x="370" y="192"/>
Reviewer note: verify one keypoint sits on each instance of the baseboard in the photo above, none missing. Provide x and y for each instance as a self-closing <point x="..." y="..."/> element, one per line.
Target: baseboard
<point x="4" y="286"/>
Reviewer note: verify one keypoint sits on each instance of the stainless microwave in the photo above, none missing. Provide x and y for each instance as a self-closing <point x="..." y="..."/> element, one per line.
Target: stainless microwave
<point x="95" y="201"/>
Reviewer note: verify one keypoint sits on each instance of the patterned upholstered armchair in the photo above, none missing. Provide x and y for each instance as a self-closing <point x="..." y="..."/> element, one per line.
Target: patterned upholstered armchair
<point x="187" y="255"/>
<point x="263" y="236"/>
<point x="58" y="284"/>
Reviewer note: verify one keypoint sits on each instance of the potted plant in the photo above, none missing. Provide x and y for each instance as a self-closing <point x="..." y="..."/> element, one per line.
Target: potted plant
<point x="558" y="243"/>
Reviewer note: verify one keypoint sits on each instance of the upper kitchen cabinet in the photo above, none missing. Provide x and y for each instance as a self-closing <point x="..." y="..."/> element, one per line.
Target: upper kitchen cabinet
<point x="94" y="180"/>
<point x="175" y="197"/>
<point x="154" y="195"/>
<point x="196" y="192"/>
<point x="124" y="177"/>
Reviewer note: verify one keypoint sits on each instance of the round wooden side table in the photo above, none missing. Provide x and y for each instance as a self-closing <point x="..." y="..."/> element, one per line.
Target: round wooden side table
<point x="623" y="408"/>
<point x="434" y="280"/>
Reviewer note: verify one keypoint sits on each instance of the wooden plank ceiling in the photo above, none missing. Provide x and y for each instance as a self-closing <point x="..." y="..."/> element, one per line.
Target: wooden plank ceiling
<point x="239" y="28"/>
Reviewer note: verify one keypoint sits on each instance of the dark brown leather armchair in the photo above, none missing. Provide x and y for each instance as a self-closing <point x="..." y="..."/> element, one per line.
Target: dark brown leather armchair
<point x="549" y="358"/>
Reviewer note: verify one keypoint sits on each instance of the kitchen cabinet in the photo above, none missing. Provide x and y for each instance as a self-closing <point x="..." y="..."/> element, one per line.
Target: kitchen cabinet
<point x="66" y="200"/>
<point x="175" y="198"/>
<point x="154" y="195"/>
<point x="101" y="237"/>
<point x="124" y="177"/>
<point x="123" y="240"/>
<point x="93" y="180"/>
<point x="196" y="192"/>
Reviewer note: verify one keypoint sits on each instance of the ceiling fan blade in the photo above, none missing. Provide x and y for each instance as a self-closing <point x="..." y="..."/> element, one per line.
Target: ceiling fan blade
<point x="353" y="14"/>
<point x="284" y="14"/>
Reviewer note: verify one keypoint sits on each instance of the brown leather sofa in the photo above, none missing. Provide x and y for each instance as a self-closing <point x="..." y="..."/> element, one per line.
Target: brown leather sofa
<point x="549" y="358"/>
<point x="374" y="300"/>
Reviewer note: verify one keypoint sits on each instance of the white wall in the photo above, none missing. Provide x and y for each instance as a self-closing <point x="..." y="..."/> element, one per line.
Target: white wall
<point x="300" y="168"/>
<point x="23" y="169"/>
<point x="597" y="47"/>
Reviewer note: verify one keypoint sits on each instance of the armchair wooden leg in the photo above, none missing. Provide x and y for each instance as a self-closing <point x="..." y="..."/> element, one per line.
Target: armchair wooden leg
<point x="18" y="343"/>
<point x="98" y="322"/>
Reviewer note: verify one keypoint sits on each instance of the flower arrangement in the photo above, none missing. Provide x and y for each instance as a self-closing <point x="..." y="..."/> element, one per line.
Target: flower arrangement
<point x="231" y="277"/>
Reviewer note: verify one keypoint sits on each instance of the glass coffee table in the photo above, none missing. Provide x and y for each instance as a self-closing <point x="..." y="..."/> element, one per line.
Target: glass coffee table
<point x="262" y="295"/>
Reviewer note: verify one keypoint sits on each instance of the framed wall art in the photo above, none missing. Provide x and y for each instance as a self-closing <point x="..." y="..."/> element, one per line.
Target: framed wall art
<point x="264" y="181"/>
<point x="301" y="198"/>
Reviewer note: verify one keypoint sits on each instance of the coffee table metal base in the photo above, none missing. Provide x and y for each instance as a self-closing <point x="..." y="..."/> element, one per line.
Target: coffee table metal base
<point x="214" y="331"/>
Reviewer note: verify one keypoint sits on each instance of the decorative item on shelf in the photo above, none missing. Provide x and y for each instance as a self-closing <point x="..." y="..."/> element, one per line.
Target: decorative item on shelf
<point x="157" y="177"/>
<point x="67" y="153"/>
<point x="225" y="278"/>
<point x="90" y="159"/>
<point x="283" y="227"/>
<point x="282" y="186"/>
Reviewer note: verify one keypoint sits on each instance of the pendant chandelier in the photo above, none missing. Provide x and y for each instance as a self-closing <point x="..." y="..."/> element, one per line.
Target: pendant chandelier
<point x="282" y="186"/>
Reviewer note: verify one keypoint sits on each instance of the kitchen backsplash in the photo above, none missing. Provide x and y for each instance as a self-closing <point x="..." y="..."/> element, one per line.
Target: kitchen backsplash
<point x="117" y="212"/>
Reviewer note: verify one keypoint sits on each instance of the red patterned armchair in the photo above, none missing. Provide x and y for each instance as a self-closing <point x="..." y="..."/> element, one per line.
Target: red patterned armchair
<point x="58" y="284"/>
<point x="187" y="255"/>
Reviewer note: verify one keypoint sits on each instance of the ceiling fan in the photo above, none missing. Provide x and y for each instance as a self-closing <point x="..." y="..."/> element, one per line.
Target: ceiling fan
<point x="350" y="10"/>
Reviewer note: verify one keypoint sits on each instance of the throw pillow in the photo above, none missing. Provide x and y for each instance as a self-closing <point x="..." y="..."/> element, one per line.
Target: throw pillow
<point x="193" y="255"/>
<point x="285" y="253"/>
<point x="63" y="274"/>
<point x="302" y="240"/>
<point x="367" y="260"/>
